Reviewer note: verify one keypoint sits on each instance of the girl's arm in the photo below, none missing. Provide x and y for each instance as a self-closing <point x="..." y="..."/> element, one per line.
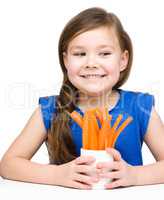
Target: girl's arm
<point x="16" y="164"/>
<point x="154" y="138"/>
<point x="124" y="174"/>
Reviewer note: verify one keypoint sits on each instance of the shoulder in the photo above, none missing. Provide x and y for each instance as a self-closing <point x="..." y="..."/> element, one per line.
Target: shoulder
<point x="47" y="99"/>
<point x="140" y="99"/>
<point x="140" y="105"/>
<point x="135" y="94"/>
<point x="48" y="108"/>
<point x="48" y="102"/>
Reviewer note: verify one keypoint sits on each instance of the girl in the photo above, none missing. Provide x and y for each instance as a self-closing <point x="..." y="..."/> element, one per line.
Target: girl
<point x="95" y="54"/>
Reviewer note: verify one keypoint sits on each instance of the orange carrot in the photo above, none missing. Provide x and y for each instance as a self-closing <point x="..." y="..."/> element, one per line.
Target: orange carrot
<point x="110" y="133"/>
<point x="98" y="114"/>
<point x="102" y="136"/>
<point x="105" y="132"/>
<point x="118" y="120"/>
<point x="109" y="139"/>
<point x="104" y="113"/>
<point x="120" y="129"/>
<point x="93" y="130"/>
<point x="92" y="136"/>
<point x="109" y="117"/>
<point x="77" y="118"/>
<point x="85" y="131"/>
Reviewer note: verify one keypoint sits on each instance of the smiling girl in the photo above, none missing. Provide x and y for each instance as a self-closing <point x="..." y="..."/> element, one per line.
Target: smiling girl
<point x="95" y="54"/>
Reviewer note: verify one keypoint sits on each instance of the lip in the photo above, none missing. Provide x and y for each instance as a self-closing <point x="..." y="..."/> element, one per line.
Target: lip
<point x="93" y="75"/>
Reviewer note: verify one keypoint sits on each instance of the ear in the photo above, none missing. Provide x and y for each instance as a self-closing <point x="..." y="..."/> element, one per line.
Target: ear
<point x="124" y="60"/>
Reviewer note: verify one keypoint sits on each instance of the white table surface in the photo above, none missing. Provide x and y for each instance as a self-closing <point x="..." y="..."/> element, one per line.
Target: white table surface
<point x="21" y="190"/>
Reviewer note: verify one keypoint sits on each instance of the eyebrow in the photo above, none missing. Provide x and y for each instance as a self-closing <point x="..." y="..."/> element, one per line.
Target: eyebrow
<point x="105" y="46"/>
<point x="76" y="47"/>
<point x="100" y="46"/>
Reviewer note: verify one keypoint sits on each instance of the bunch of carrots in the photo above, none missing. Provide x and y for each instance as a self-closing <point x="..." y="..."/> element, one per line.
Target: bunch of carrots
<point x="96" y="138"/>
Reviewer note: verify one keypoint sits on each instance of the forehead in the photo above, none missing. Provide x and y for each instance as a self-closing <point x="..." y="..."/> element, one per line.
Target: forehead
<point x="101" y="37"/>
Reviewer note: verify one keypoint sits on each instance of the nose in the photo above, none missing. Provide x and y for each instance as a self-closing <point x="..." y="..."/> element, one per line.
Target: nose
<point x="91" y="62"/>
<point x="88" y="66"/>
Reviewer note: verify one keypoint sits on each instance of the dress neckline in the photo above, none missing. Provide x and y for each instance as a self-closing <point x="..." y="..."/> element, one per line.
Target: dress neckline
<point x="120" y="91"/>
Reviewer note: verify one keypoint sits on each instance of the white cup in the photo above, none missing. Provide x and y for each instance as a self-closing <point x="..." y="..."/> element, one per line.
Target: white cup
<point x="100" y="156"/>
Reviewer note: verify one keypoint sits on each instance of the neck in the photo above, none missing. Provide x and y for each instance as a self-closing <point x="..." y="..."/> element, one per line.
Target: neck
<point x="105" y="100"/>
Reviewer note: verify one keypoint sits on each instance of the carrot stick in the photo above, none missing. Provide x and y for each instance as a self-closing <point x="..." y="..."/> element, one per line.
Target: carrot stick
<point x="85" y="131"/>
<point x="118" y="120"/>
<point x="93" y="129"/>
<point x="98" y="114"/>
<point x="120" y="129"/>
<point x="77" y="118"/>
<point x="109" y="117"/>
<point x="110" y="133"/>
<point x="105" y="120"/>
<point x="110" y="139"/>
<point x="104" y="133"/>
<point x="104" y="113"/>
<point x="102" y="136"/>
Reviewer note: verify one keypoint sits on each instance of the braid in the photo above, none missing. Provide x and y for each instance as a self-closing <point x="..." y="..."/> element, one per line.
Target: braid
<point x="60" y="144"/>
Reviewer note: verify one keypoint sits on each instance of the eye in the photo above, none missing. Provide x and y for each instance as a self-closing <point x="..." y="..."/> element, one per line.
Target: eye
<point x="105" y="53"/>
<point x="79" y="54"/>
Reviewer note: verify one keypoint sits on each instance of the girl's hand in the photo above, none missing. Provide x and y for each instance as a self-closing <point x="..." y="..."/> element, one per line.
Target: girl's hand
<point x="118" y="170"/>
<point x="78" y="173"/>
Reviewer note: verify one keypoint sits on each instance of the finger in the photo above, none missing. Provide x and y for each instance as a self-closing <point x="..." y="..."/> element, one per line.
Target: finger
<point x="86" y="179"/>
<point x="84" y="160"/>
<point x="108" y="166"/>
<point x="111" y="175"/>
<point x="86" y="169"/>
<point x="114" y="184"/>
<point x="114" y="153"/>
<point x="80" y="185"/>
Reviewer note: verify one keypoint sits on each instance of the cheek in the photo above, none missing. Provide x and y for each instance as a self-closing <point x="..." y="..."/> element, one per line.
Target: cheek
<point x="112" y="64"/>
<point x="73" y="67"/>
<point x="112" y="70"/>
<point x="72" y="71"/>
<point x="113" y="73"/>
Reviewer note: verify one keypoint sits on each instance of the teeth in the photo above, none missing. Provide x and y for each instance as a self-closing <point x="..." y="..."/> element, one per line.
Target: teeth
<point x="93" y="75"/>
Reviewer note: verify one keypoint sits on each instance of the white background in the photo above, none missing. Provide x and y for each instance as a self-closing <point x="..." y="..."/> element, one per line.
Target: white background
<point x="29" y="67"/>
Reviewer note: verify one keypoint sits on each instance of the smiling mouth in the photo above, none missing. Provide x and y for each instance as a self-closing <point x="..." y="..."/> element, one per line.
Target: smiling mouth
<point x="93" y="76"/>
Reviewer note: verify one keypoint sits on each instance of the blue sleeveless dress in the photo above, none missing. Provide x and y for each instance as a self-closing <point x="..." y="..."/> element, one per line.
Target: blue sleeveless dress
<point x="129" y="143"/>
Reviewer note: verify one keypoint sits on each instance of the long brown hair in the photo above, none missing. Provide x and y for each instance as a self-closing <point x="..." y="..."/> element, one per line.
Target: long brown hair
<point x="60" y="144"/>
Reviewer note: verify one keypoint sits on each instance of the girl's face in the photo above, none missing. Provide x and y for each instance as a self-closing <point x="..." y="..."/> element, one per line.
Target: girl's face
<point x="94" y="61"/>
